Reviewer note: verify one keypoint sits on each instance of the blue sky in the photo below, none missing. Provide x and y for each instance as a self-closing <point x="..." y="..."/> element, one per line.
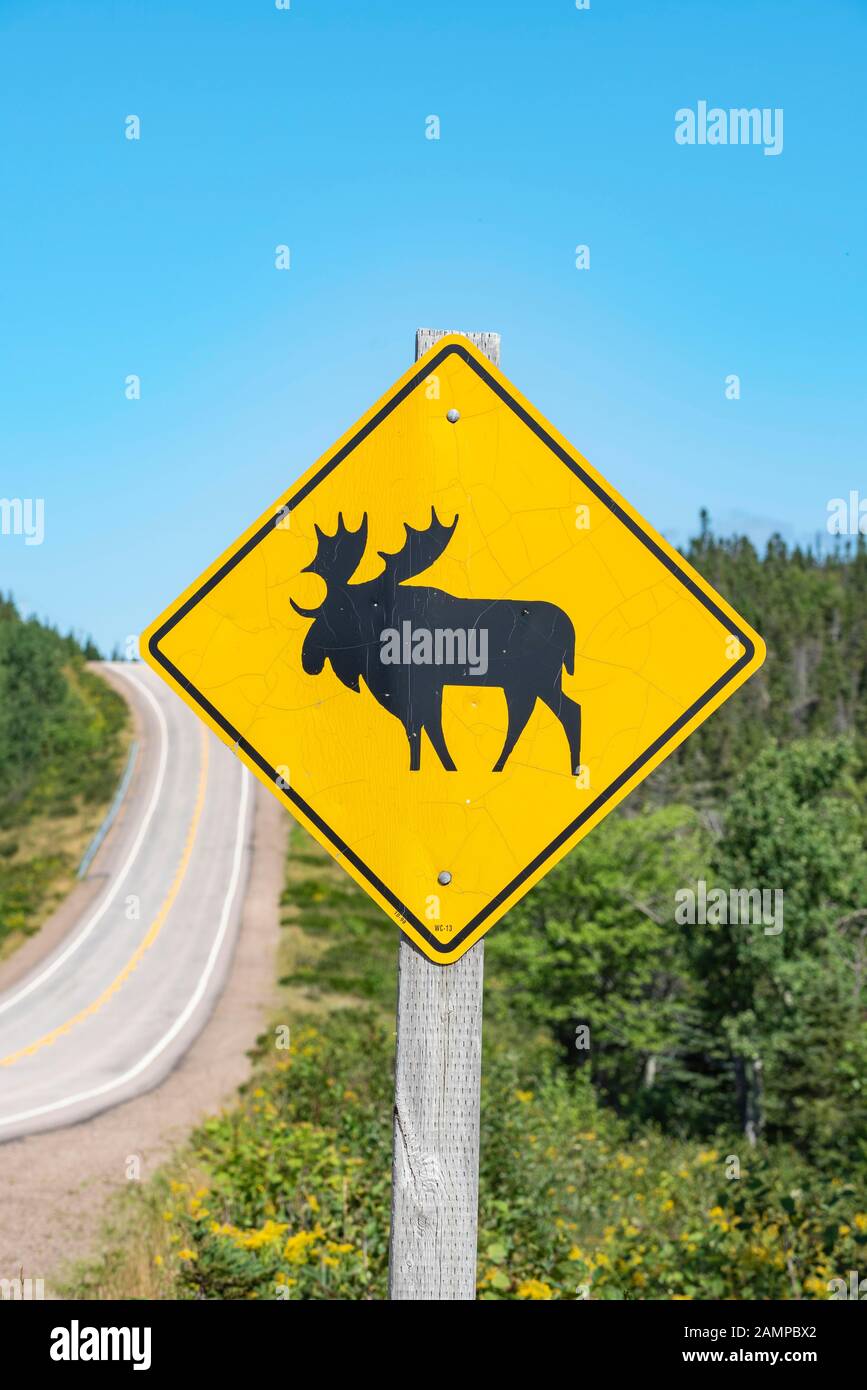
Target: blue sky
<point x="307" y="127"/>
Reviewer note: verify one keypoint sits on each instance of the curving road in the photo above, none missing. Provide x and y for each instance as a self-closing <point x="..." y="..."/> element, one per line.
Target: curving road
<point x="113" y="1008"/>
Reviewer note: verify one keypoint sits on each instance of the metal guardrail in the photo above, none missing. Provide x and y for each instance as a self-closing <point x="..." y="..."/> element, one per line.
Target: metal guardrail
<point x="111" y="814"/>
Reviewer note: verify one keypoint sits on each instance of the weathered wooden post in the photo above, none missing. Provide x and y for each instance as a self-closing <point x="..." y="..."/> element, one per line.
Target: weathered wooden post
<point x="435" y="1171"/>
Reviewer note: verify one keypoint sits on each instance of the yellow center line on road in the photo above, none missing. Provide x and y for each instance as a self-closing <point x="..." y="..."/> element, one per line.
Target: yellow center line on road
<point x="147" y="940"/>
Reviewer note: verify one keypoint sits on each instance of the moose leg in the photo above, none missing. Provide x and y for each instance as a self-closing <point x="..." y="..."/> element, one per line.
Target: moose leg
<point x="434" y="729"/>
<point x="413" y="735"/>
<point x="520" y="709"/>
<point x="569" y="714"/>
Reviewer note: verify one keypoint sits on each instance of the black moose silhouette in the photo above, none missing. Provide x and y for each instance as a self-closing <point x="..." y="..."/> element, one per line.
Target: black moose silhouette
<point x="408" y="642"/>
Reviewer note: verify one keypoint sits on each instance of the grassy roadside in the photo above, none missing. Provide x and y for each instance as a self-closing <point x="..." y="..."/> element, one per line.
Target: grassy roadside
<point x="47" y="826"/>
<point x="285" y="1194"/>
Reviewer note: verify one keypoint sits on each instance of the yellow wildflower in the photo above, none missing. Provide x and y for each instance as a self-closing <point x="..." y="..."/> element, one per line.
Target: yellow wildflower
<point x="266" y="1235"/>
<point x="534" y="1289"/>
<point x="817" y="1286"/>
<point x="299" y="1246"/>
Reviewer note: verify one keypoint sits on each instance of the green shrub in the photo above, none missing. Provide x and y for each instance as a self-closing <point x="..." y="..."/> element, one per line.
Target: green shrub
<point x="296" y="1202"/>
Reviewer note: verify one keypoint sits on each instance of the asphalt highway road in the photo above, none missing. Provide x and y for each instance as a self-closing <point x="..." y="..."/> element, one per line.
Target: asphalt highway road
<point x="111" y="1010"/>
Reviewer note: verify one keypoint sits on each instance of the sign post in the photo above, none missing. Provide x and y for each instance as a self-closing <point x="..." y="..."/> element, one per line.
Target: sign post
<point x="435" y="1173"/>
<point x="438" y="1066"/>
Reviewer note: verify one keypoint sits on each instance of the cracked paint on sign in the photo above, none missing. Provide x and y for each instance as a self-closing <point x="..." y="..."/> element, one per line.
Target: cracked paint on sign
<point x="656" y="649"/>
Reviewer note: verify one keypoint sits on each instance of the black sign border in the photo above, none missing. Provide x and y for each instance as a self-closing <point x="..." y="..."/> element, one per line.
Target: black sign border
<point x="401" y="909"/>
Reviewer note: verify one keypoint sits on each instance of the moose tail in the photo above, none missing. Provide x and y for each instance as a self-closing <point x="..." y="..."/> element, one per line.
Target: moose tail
<point x="569" y="648"/>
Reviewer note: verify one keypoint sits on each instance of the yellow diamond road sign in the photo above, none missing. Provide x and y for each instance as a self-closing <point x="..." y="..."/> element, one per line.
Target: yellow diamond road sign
<point x="451" y="648"/>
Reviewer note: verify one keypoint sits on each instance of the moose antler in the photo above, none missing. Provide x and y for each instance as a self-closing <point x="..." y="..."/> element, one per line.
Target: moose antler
<point x="419" y="550"/>
<point x="337" y="557"/>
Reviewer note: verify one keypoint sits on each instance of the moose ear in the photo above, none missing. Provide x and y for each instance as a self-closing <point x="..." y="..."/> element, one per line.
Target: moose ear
<point x="305" y="612"/>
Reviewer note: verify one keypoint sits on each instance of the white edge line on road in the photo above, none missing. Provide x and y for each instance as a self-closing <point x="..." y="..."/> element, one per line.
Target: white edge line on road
<point x="195" y="999"/>
<point x="110" y="896"/>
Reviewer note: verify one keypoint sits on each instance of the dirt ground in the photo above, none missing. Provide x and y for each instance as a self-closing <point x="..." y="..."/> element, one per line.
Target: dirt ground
<point x="54" y="1186"/>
